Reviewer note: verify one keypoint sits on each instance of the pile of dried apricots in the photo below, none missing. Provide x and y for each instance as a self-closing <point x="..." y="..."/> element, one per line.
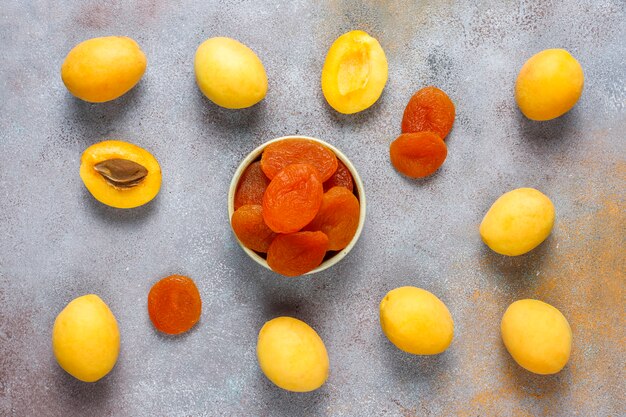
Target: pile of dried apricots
<point x="297" y="204"/>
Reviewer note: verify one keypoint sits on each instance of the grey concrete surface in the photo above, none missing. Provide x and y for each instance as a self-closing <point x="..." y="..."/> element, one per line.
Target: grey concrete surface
<point x="58" y="243"/>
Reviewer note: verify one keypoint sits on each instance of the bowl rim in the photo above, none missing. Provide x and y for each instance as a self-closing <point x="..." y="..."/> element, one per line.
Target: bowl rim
<point x="252" y="156"/>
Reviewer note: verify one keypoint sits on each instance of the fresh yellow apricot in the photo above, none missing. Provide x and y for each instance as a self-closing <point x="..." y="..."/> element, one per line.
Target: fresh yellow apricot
<point x="537" y="336"/>
<point x="354" y="73"/>
<point x="85" y="338"/>
<point x="416" y="321"/>
<point x="103" y="69"/>
<point x="229" y="73"/>
<point x="549" y="84"/>
<point x="292" y="355"/>
<point x="518" y="222"/>
<point x="120" y="174"/>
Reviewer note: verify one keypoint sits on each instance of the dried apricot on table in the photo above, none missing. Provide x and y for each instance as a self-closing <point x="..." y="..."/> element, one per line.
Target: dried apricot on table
<point x="430" y="109"/>
<point x="174" y="304"/>
<point x="341" y="178"/>
<point x="418" y="155"/>
<point x="354" y="73"/>
<point x="293" y="198"/>
<point x="250" y="228"/>
<point x="338" y="217"/>
<point x="278" y="155"/>
<point x="297" y="253"/>
<point x="251" y="186"/>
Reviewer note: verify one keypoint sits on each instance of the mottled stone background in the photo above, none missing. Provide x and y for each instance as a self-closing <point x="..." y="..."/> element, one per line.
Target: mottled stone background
<point x="58" y="243"/>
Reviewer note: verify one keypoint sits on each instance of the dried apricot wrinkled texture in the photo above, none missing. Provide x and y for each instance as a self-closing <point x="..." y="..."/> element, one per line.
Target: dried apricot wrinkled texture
<point x="341" y="178"/>
<point x="419" y="154"/>
<point x="293" y="198"/>
<point x="297" y="253"/>
<point x="430" y="109"/>
<point x="250" y="228"/>
<point x="338" y="217"/>
<point x="174" y="304"/>
<point x="278" y="155"/>
<point x="252" y="185"/>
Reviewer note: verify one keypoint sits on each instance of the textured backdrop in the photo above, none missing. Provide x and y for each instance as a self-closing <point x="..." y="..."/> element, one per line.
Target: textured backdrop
<point x="58" y="243"/>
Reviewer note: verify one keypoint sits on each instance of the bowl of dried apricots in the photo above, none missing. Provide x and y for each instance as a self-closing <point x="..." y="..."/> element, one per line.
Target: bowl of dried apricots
<point x="296" y="205"/>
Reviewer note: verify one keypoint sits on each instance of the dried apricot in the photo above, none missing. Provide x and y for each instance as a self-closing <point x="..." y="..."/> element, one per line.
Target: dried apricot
<point x="293" y="198"/>
<point x="419" y="154"/>
<point x="278" y="155"/>
<point x="341" y="178"/>
<point x="430" y="109"/>
<point x="174" y="304"/>
<point x="251" y="186"/>
<point x="297" y="253"/>
<point x="250" y="228"/>
<point x="338" y="217"/>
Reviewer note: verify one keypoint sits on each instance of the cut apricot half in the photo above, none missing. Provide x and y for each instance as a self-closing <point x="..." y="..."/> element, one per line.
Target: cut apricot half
<point x="120" y="174"/>
<point x="418" y="155"/>
<point x="354" y="73"/>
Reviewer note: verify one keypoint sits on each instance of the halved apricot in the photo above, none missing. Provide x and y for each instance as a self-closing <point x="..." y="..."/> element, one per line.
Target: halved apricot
<point x="354" y="73"/>
<point x="120" y="174"/>
<point x="418" y="155"/>
<point x="295" y="254"/>
<point x="293" y="198"/>
<point x="250" y="228"/>
<point x="338" y="217"/>
<point x="278" y="155"/>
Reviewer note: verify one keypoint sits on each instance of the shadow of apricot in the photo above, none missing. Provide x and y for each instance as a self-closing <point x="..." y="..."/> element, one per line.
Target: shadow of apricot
<point x="526" y="383"/>
<point x="550" y="134"/>
<point x="99" y="117"/>
<point x="78" y="396"/>
<point x="112" y="215"/>
<point x="225" y="120"/>
<point x="517" y="272"/>
<point x="413" y="368"/>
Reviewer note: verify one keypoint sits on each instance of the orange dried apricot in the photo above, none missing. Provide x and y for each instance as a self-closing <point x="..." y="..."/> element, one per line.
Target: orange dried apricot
<point x="293" y="198"/>
<point x="250" y="228"/>
<point x="297" y="253"/>
<point x="341" y="178"/>
<point x="251" y="186"/>
<point x="338" y="217"/>
<point x="278" y="155"/>
<point x="430" y="109"/>
<point x="419" y="154"/>
<point x="174" y="304"/>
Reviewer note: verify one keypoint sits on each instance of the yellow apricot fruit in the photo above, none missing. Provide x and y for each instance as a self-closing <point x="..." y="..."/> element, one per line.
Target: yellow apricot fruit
<point x="416" y="321"/>
<point x="229" y="73"/>
<point x="549" y="84"/>
<point x="354" y="73"/>
<point x="292" y="355"/>
<point x="518" y="222"/>
<point x="103" y="69"/>
<point x="86" y="339"/>
<point x="120" y="174"/>
<point x="537" y="336"/>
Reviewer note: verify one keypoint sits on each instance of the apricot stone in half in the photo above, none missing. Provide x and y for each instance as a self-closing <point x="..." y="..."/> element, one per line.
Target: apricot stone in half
<point x="120" y="174"/>
<point x="354" y="73"/>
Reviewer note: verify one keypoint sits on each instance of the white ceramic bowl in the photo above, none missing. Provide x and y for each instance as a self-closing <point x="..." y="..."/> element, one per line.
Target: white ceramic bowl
<point x="359" y="192"/>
